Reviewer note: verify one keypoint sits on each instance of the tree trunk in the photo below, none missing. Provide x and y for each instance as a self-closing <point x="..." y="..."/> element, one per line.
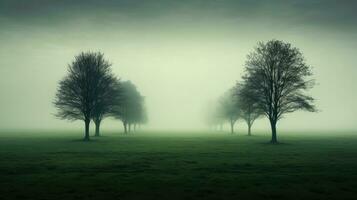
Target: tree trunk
<point x="273" y="132"/>
<point x="249" y="129"/>
<point x="86" y="133"/>
<point x="125" y="127"/>
<point x="97" y="128"/>
<point x="129" y="127"/>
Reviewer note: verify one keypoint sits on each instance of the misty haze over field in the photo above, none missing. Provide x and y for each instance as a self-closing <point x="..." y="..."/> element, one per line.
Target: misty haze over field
<point x="182" y="55"/>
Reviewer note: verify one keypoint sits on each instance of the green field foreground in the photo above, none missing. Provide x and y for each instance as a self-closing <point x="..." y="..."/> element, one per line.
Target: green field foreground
<point x="177" y="166"/>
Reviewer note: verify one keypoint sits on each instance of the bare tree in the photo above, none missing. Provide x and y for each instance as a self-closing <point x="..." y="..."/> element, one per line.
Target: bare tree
<point x="78" y="92"/>
<point x="276" y="78"/>
<point x="248" y="108"/>
<point x="108" y="94"/>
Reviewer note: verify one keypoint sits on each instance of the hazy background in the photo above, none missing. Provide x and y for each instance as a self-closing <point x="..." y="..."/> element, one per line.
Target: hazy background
<point x="182" y="55"/>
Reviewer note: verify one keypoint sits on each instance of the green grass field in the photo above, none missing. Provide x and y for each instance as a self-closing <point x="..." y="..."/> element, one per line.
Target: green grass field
<point x="173" y="166"/>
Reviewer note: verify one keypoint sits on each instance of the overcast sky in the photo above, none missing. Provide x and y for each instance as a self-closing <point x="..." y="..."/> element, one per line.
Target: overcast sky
<point x="182" y="55"/>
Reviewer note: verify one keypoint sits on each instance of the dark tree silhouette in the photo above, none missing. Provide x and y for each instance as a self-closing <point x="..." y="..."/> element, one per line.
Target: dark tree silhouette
<point x="80" y="91"/>
<point x="276" y="78"/>
<point x="248" y="107"/>
<point x="108" y="94"/>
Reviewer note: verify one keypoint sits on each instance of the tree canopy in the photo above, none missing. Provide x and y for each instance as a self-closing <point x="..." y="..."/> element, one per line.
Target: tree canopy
<point x="276" y="78"/>
<point x="84" y="93"/>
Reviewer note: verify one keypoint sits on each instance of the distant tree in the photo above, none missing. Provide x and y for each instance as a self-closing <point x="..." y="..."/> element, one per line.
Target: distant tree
<point x="276" y="78"/>
<point x="79" y="91"/>
<point x="248" y="107"/>
<point x="229" y="108"/>
<point x="130" y="108"/>
<point x="137" y="112"/>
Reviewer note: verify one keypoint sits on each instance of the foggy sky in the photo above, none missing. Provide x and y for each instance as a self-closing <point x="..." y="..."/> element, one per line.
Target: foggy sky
<point x="182" y="55"/>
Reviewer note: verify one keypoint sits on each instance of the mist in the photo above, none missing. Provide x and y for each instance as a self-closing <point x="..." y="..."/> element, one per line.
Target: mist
<point x="181" y="55"/>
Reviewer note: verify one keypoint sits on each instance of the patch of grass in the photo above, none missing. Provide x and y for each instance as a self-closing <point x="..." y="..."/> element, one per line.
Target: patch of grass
<point x="177" y="166"/>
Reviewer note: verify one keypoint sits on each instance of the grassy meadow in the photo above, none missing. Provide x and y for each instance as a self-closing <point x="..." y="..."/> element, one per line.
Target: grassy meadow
<point x="148" y="165"/>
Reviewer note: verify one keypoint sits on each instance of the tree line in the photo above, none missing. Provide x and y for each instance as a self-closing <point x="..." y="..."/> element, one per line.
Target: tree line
<point x="91" y="92"/>
<point x="274" y="83"/>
